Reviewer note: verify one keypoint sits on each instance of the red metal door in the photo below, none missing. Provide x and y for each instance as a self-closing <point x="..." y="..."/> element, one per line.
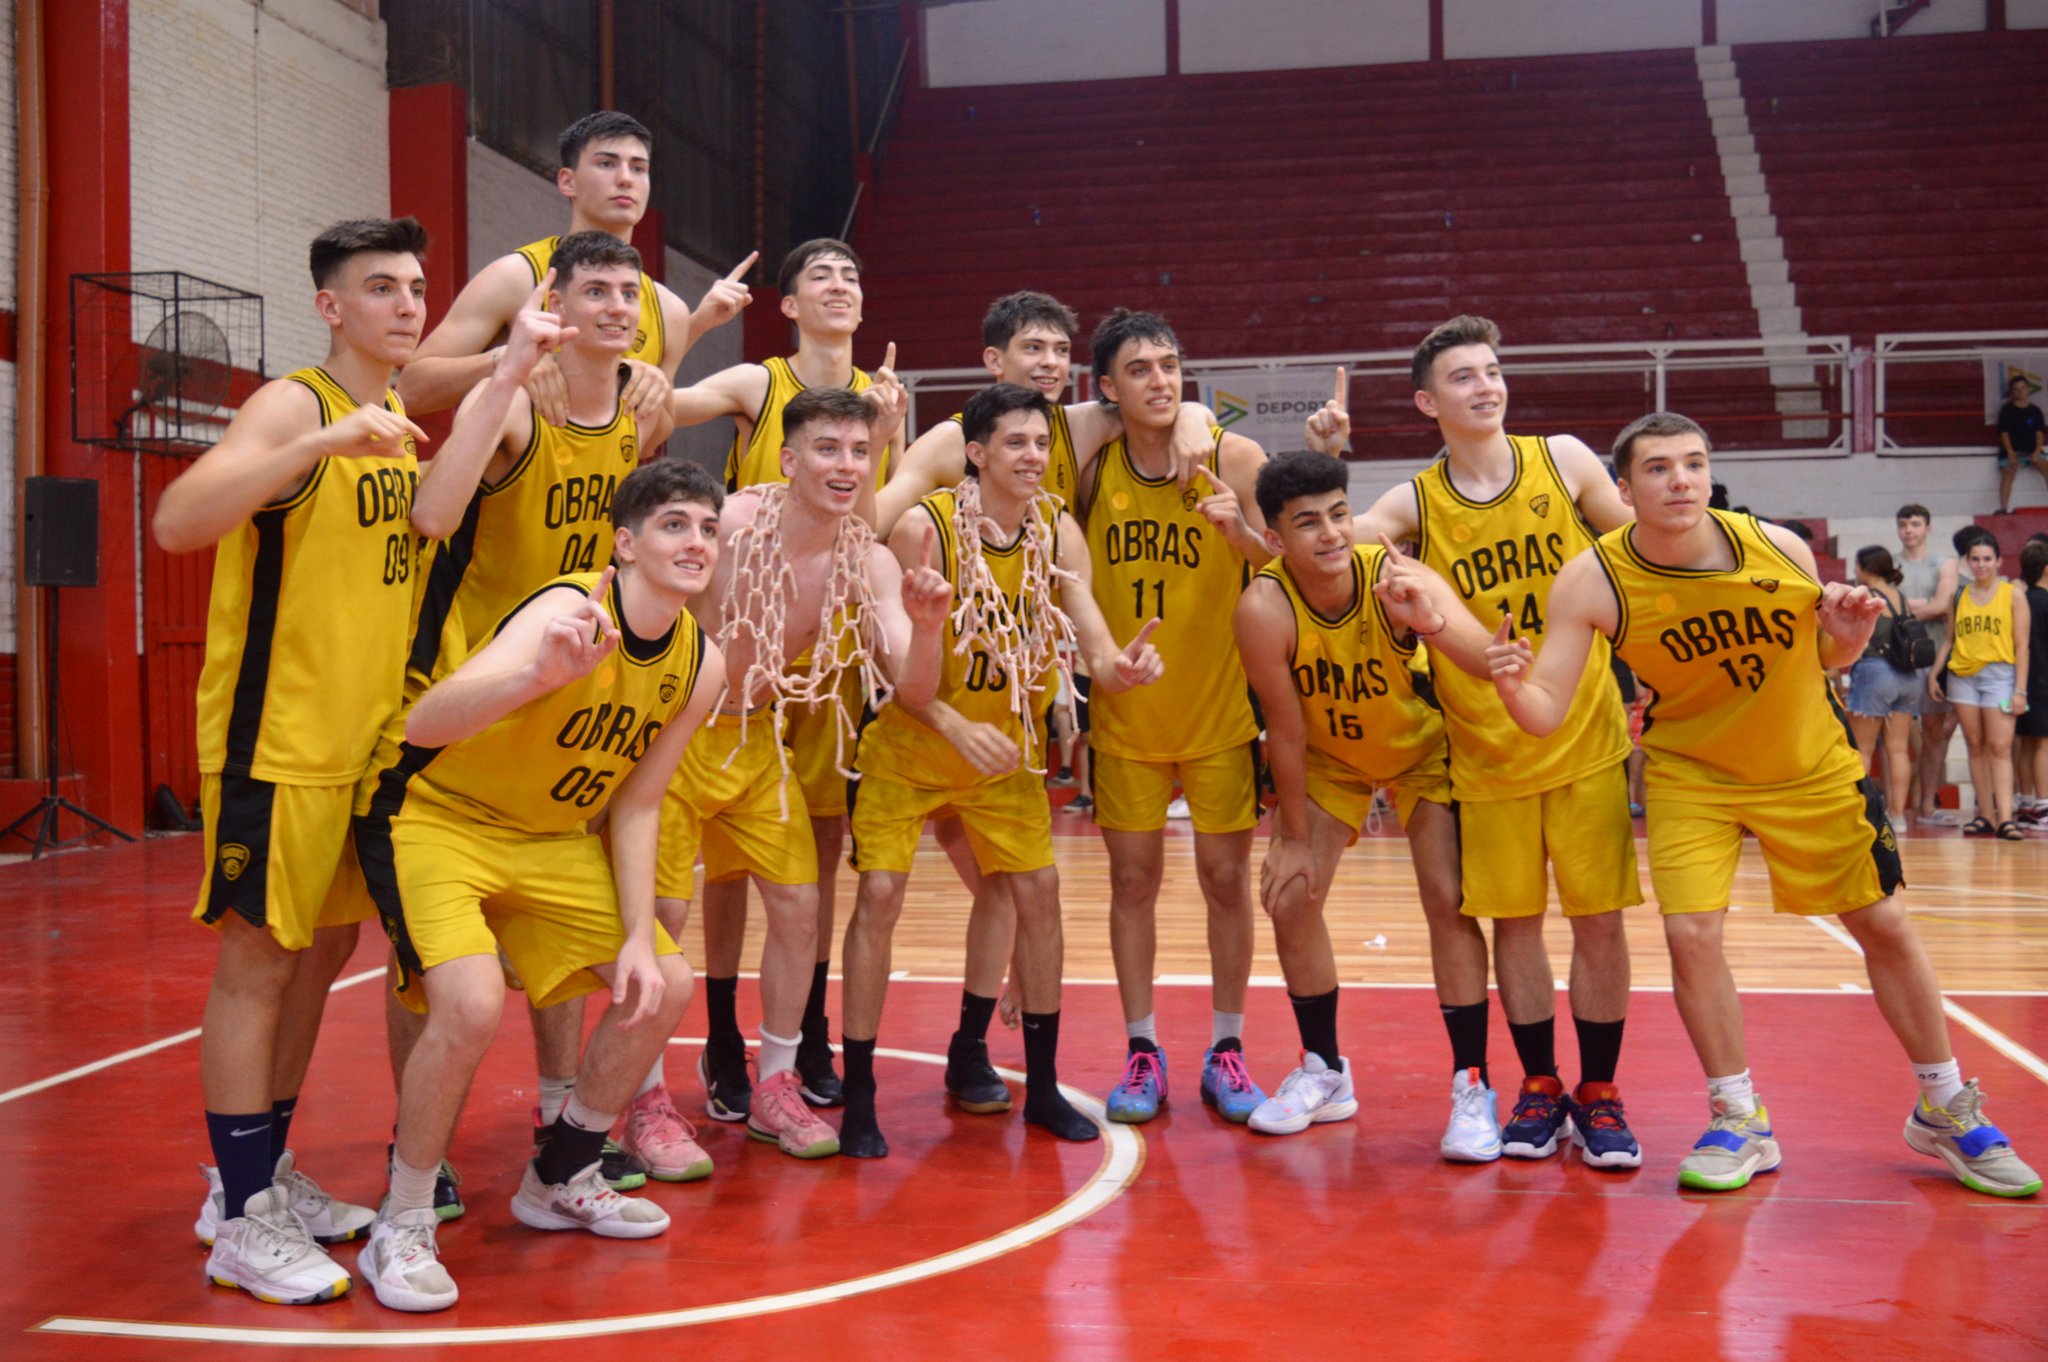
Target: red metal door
<point x="174" y="595"/>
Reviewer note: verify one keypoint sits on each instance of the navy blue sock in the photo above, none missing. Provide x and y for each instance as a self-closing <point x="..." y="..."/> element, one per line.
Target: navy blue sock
<point x="721" y="1011"/>
<point x="241" y="1150"/>
<point x="281" y="1127"/>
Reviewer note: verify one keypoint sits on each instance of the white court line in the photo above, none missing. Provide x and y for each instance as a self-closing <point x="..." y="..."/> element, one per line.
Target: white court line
<point x="30" y="1089"/>
<point x="1962" y="1016"/>
<point x="1123" y="1155"/>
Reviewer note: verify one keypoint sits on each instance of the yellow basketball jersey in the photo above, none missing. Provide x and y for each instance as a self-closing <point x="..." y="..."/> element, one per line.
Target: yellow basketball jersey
<point x="1154" y="554"/>
<point x="1502" y="556"/>
<point x="306" y="624"/>
<point x="757" y="458"/>
<point x="548" y="517"/>
<point x="1982" y="634"/>
<point x="1358" y="696"/>
<point x="1063" y="470"/>
<point x="650" y="338"/>
<point x="550" y="766"/>
<point x="1741" y="705"/>
<point x="899" y="747"/>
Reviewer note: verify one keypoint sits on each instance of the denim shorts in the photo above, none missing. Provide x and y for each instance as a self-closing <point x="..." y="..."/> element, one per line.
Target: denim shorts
<point x="1876" y="688"/>
<point x="1990" y="686"/>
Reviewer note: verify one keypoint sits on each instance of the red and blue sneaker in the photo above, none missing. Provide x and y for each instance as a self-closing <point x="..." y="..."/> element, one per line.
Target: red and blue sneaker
<point x="1139" y="1094"/>
<point x="1600" y="1128"/>
<point x="1542" y="1116"/>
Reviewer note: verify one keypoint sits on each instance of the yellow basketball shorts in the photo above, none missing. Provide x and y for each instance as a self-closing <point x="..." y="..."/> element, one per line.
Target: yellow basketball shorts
<point x="1222" y="791"/>
<point x="446" y="889"/>
<point x="1582" y="831"/>
<point x="1828" y="849"/>
<point x="812" y="732"/>
<point x="725" y="800"/>
<point x="1347" y="796"/>
<point x="279" y="856"/>
<point x="1008" y="822"/>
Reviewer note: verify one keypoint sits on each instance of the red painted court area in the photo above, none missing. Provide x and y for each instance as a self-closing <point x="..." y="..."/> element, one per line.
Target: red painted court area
<point x="1348" y="1239"/>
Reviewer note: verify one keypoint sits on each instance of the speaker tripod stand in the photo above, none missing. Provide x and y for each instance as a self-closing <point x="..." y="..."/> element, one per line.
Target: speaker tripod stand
<point x="44" y="815"/>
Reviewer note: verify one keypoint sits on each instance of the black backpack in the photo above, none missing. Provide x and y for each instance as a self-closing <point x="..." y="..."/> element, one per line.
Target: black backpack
<point x="1910" y="648"/>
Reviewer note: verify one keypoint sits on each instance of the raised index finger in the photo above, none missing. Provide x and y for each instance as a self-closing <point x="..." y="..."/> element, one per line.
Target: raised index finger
<point x="539" y="301"/>
<point x="739" y="271"/>
<point x="889" y="356"/>
<point x="1394" y="553"/>
<point x="1342" y="397"/>
<point x="1137" y="644"/>
<point x="602" y="587"/>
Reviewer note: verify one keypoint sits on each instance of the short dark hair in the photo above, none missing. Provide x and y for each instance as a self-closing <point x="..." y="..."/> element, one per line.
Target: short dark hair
<point x="1966" y="539"/>
<point x="1459" y="330"/>
<point x="815" y="405"/>
<point x="1913" y="508"/>
<point x="2033" y="558"/>
<point x="334" y="247"/>
<point x="800" y="258"/>
<point x="602" y="126"/>
<point x="590" y="251"/>
<point x="1298" y="473"/>
<point x="658" y="482"/>
<point x="1011" y="313"/>
<point x="989" y="406"/>
<point x="1657" y="423"/>
<point x="1876" y="560"/>
<point x="1122" y="327"/>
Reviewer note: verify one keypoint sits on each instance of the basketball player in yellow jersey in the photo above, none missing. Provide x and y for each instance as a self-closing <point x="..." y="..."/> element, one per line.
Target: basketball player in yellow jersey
<point x="543" y="509"/>
<point x="1027" y="339"/>
<point x="575" y="711"/>
<point x="977" y="747"/>
<point x="804" y="593"/>
<point x="821" y="295"/>
<point x="1724" y="619"/>
<point x="1497" y="516"/>
<point x="315" y="499"/>
<point x="1330" y="663"/>
<point x="604" y="176"/>
<point x="1180" y="556"/>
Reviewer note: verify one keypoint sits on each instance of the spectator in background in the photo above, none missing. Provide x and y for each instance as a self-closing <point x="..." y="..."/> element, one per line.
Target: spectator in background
<point x="1929" y="586"/>
<point x="2033" y="725"/>
<point x="1882" y="699"/>
<point x="2022" y="436"/>
<point x="1983" y="672"/>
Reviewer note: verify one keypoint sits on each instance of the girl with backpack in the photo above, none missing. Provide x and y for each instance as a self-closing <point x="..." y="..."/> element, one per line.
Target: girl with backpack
<point x="1883" y="698"/>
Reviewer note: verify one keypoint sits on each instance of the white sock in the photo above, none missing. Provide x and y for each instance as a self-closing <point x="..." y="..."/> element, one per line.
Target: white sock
<point x="1144" y="1028"/>
<point x="412" y="1189"/>
<point x="1939" y="1083"/>
<point x="777" y="1054"/>
<point x="1226" y="1026"/>
<point x="554" y="1094"/>
<point x="656" y="1076"/>
<point x="583" y="1118"/>
<point x="1735" y="1091"/>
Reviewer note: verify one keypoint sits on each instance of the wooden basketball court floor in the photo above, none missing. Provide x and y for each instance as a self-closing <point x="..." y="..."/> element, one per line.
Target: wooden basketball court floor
<point x="1184" y="1238"/>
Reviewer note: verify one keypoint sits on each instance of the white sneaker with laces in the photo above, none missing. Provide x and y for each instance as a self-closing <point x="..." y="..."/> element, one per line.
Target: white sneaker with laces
<point x="327" y="1220"/>
<point x="403" y="1263"/>
<point x="1473" y="1136"/>
<point x="266" y="1252"/>
<point x="585" y="1203"/>
<point x="1179" y="808"/>
<point x="1312" y="1093"/>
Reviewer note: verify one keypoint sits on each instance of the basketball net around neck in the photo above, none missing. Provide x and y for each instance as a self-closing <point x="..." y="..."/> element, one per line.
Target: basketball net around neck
<point x="1025" y="642"/>
<point x="757" y="602"/>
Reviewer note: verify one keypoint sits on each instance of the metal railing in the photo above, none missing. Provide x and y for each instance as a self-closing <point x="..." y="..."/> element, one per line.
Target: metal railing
<point x="1962" y="352"/>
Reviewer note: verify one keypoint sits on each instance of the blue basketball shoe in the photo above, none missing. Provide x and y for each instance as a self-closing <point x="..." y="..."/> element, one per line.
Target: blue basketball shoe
<point x="1600" y="1129"/>
<point x="1139" y="1094"/>
<point x="1227" y="1085"/>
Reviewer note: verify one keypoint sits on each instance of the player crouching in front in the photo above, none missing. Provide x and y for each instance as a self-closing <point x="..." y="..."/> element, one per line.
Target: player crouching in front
<point x="574" y="714"/>
<point x="1726" y="621"/>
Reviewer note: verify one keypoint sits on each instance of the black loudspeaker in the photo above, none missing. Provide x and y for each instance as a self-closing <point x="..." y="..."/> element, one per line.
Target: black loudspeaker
<point x="61" y="524"/>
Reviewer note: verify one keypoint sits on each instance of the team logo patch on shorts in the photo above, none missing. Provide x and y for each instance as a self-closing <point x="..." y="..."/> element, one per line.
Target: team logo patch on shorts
<point x="1540" y="504"/>
<point x="669" y="682"/>
<point x="1765" y="584"/>
<point x="234" y="859"/>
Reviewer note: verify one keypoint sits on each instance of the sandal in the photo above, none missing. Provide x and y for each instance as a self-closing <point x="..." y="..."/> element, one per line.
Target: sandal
<point x="1977" y="827"/>
<point x="2011" y="832"/>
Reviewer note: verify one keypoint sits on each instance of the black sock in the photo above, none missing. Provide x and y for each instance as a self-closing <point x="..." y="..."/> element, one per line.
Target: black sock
<point x="814" y="1006"/>
<point x="1599" y="1049"/>
<point x="1536" y="1046"/>
<point x="860" y="1132"/>
<point x="1140" y="1043"/>
<point x="241" y="1150"/>
<point x="1467" y="1023"/>
<point x="1316" y="1018"/>
<point x="569" y="1150"/>
<point x="975" y="1013"/>
<point x="721" y="996"/>
<point x="280" y="1127"/>
<point x="1044" y="1104"/>
<point x="858" y="1057"/>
